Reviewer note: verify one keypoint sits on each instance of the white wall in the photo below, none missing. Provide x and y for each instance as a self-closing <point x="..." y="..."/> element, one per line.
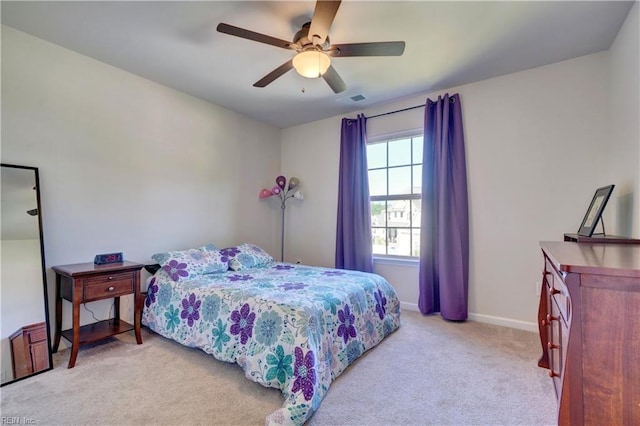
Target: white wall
<point x="531" y="137"/>
<point x="127" y="164"/>
<point x="623" y="141"/>
<point x="539" y="143"/>
<point x="311" y="152"/>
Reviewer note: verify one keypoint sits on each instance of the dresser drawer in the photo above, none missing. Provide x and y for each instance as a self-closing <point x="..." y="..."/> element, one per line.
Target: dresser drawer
<point x="558" y="291"/>
<point x="37" y="335"/>
<point x="107" y="286"/>
<point x="554" y="347"/>
<point x="558" y="335"/>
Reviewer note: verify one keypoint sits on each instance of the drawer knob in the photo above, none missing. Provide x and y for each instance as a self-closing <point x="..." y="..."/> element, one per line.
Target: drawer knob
<point x="553" y="374"/>
<point x="110" y="278"/>
<point x="111" y="288"/>
<point x="552" y="345"/>
<point x="551" y="318"/>
<point x="555" y="291"/>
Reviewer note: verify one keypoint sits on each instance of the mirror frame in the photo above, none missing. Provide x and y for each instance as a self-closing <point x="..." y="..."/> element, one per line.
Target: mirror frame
<point x="42" y="267"/>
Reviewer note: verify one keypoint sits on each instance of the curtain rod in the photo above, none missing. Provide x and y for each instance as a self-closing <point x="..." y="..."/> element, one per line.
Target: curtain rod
<point x="398" y="110"/>
<point x="451" y="99"/>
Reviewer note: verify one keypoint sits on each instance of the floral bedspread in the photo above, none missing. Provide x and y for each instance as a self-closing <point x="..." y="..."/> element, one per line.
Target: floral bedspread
<point x="290" y="327"/>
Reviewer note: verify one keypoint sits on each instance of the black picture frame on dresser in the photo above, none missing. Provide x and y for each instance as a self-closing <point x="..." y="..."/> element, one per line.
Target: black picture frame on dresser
<point x="601" y="239"/>
<point x="594" y="212"/>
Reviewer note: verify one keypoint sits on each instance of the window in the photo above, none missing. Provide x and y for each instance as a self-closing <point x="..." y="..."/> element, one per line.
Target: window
<point x="395" y="191"/>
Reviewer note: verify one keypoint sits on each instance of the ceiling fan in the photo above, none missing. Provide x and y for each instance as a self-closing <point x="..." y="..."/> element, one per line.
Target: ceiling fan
<point x="314" y="50"/>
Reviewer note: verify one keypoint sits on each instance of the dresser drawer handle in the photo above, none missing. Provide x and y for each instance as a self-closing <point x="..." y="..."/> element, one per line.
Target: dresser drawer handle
<point x="110" y="278"/>
<point x="551" y="318"/>
<point x="551" y="345"/>
<point x="111" y="288"/>
<point x="553" y="374"/>
<point x="555" y="291"/>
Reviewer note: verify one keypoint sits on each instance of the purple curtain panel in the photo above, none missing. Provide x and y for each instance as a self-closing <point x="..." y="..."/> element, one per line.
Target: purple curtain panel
<point x="353" y="234"/>
<point x="444" y="238"/>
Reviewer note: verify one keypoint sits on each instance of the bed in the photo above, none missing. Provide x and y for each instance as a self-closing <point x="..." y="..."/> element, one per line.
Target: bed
<point x="288" y="326"/>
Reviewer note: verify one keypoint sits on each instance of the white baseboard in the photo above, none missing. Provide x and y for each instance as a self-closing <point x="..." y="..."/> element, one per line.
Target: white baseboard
<point x="409" y="306"/>
<point x="506" y="322"/>
<point x="488" y="319"/>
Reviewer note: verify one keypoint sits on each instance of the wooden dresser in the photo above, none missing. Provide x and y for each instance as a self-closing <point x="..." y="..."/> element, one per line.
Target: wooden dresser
<point x="29" y="351"/>
<point x="589" y="321"/>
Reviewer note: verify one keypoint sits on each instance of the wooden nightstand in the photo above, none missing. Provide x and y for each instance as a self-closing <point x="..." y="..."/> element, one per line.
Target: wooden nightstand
<point x="86" y="282"/>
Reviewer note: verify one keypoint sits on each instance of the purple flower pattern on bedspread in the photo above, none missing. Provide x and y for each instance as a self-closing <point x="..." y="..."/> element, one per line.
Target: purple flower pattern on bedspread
<point x="334" y="273"/>
<point x="291" y="327"/>
<point x="346" y="328"/>
<point x="305" y="373"/>
<point x="176" y="270"/>
<point x="243" y="323"/>
<point x="152" y="289"/>
<point x="190" y="308"/>
<point x="228" y="253"/>
<point x="237" y="277"/>
<point x="381" y="303"/>
<point x="292" y="286"/>
<point x="283" y="267"/>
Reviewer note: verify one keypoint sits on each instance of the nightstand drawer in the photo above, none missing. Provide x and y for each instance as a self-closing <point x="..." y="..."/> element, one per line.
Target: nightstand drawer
<point x="106" y="286"/>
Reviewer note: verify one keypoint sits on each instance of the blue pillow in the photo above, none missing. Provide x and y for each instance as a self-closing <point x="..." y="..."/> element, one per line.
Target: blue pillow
<point x="246" y="256"/>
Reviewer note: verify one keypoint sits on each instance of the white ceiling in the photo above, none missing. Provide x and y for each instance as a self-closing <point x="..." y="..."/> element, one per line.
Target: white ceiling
<point x="447" y="44"/>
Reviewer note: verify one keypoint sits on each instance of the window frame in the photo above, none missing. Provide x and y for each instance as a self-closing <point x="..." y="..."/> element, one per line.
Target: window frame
<point x="408" y="134"/>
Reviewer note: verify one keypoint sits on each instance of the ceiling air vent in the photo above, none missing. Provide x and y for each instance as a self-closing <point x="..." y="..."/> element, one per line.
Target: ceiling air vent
<point x="358" y="98"/>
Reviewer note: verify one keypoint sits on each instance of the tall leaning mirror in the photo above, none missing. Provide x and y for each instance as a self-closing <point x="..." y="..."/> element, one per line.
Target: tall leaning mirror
<point x="23" y="291"/>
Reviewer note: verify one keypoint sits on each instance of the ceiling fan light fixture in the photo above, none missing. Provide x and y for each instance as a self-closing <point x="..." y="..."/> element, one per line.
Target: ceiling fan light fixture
<point x="311" y="63"/>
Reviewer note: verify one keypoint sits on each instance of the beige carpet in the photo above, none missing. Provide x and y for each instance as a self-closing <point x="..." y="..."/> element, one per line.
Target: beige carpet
<point x="429" y="372"/>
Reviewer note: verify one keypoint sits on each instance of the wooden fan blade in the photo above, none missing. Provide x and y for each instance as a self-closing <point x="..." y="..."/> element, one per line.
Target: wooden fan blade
<point x="321" y="21"/>
<point x="383" y="48"/>
<point x="251" y="35"/>
<point x="334" y="80"/>
<point x="267" y="79"/>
